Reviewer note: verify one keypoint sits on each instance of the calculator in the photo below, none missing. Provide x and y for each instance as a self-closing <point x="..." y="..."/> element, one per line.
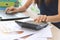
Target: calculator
<point x="32" y="25"/>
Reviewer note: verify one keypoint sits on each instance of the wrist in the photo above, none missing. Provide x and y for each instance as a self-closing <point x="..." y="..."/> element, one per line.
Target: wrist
<point x="21" y="9"/>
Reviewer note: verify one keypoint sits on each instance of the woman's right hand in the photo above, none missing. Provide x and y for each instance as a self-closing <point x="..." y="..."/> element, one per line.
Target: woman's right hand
<point x="15" y="10"/>
<point x="11" y="9"/>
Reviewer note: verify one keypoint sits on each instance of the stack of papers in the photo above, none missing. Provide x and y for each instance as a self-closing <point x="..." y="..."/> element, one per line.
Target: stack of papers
<point x="41" y="34"/>
<point x="9" y="30"/>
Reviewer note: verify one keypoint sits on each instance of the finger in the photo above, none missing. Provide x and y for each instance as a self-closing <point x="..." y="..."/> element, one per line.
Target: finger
<point x="38" y="19"/>
<point x="41" y="18"/>
<point x="15" y="11"/>
<point x="7" y="9"/>
<point x="35" y="20"/>
<point x="44" y="19"/>
<point x="12" y="8"/>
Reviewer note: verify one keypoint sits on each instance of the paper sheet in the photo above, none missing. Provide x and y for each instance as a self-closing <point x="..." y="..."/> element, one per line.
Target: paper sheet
<point x="46" y="32"/>
<point x="26" y="20"/>
<point x="35" y="38"/>
<point x="10" y="26"/>
<point x="18" y="38"/>
<point x="43" y="32"/>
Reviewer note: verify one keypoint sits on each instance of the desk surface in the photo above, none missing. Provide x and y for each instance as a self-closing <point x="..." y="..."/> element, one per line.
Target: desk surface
<point x="55" y="33"/>
<point x="55" y="30"/>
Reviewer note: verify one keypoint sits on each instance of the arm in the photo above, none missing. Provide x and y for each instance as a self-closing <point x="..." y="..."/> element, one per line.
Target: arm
<point x="27" y="4"/>
<point x="55" y="18"/>
<point x="21" y="9"/>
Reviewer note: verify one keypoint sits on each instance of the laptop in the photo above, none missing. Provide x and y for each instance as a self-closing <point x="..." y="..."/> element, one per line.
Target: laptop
<point x="17" y="16"/>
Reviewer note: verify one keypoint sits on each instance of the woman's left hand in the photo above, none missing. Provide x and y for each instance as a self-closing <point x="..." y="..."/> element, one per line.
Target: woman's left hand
<point x="41" y="18"/>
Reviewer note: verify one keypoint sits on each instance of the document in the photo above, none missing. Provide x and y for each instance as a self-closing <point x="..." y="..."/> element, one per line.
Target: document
<point x="40" y="33"/>
<point x="35" y="38"/>
<point x="8" y="26"/>
<point x="10" y="30"/>
<point x="26" y="20"/>
<point x="46" y="32"/>
<point x="18" y="38"/>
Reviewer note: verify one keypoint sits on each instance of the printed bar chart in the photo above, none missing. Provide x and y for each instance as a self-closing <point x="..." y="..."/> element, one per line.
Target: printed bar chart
<point x="8" y="3"/>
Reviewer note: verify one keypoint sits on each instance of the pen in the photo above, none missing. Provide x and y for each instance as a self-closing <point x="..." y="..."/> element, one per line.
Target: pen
<point x="27" y="36"/>
<point x="18" y="32"/>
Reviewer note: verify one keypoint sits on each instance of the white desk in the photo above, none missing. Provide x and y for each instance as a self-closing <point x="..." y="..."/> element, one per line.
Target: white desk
<point x="55" y="31"/>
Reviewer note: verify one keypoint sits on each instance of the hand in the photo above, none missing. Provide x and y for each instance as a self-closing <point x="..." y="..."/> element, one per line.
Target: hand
<point x="41" y="18"/>
<point x="15" y="10"/>
<point x="12" y="9"/>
